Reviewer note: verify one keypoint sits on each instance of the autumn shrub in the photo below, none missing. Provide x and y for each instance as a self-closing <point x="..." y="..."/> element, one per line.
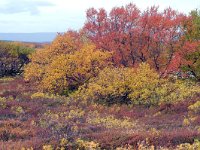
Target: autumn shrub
<point x="193" y="114"/>
<point x="78" y="144"/>
<point x="193" y="33"/>
<point x="13" y="57"/>
<point x="94" y="118"/>
<point x="195" y="108"/>
<point x="87" y="145"/>
<point x="91" y="145"/>
<point x="47" y="147"/>
<point x="141" y="86"/>
<point x="63" y="123"/>
<point x="5" y="79"/>
<point x="188" y="146"/>
<point x="40" y="95"/>
<point x="65" y="64"/>
<point x="126" y="147"/>
<point x="37" y="95"/>
<point x="2" y="102"/>
<point x="17" y="110"/>
<point x="185" y="146"/>
<point x="153" y="36"/>
<point x="12" y="129"/>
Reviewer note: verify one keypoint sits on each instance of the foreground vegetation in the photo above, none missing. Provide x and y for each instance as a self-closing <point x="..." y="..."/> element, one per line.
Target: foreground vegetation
<point x="127" y="80"/>
<point x="30" y="119"/>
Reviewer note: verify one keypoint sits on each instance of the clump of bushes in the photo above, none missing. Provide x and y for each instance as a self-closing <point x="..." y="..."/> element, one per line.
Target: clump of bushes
<point x="109" y="121"/>
<point x="2" y="102"/>
<point x="13" y="57"/>
<point x="195" y="108"/>
<point x="72" y="64"/>
<point x="90" y="145"/>
<point x="77" y="144"/>
<point x="193" y="115"/>
<point x="140" y="86"/>
<point x="65" y="64"/>
<point x="40" y="95"/>
<point x="193" y="146"/>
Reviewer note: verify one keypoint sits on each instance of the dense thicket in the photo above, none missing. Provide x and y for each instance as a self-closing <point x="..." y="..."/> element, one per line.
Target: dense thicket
<point x="66" y="64"/>
<point x="152" y="36"/>
<point x="13" y="56"/>
<point x="137" y="86"/>
<point x="193" y="34"/>
<point x="104" y="61"/>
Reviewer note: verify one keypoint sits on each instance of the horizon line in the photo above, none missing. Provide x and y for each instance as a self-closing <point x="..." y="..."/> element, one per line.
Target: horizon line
<point x="30" y="32"/>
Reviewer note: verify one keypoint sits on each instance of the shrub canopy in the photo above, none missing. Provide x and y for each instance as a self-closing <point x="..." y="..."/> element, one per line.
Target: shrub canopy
<point x="65" y="65"/>
<point x="141" y="86"/>
<point x="13" y="57"/>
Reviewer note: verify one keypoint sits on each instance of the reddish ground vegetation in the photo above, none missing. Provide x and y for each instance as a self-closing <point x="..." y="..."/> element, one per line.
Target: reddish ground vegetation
<point x="27" y="121"/>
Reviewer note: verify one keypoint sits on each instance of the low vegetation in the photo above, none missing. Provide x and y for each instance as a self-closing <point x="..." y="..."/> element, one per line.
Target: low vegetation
<point x="33" y="120"/>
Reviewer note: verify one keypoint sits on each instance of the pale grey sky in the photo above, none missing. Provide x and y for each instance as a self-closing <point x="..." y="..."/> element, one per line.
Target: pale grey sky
<point x="25" y="16"/>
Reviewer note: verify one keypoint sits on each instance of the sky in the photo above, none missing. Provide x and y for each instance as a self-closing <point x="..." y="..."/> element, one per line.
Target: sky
<point x="32" y="16"/>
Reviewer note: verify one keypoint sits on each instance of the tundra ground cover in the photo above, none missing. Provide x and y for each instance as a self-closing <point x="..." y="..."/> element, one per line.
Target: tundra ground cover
<point x="45" y="121"/>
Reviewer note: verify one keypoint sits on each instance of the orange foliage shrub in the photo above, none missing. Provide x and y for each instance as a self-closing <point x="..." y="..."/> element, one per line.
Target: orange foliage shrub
<point x="66" y="64"/>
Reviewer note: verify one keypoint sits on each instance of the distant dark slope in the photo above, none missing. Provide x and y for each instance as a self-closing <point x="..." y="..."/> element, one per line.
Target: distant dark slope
<point x="28" y="37"/>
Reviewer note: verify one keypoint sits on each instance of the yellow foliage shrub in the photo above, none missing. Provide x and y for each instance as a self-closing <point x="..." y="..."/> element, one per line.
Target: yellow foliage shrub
<point x="195" y="108"/>
<point x="3" y="102"/>
<point x="38" y="95"/>
<point x="6" y="79"/>
<point x="76" y="113"/>
<point x="187" y="146"/>
<point x="87" y="145"/>
<point x="65" y="65"/>
<point x="137" y="86"/>
<point x="26" y="148"/>
<point x="186" y="122"/>
<point x="17" y="110"/>
<point x="144" y="145"/>
<point x="193" y="113"/>
<point x="109" y="121"/>
<point x="47" y="147"/>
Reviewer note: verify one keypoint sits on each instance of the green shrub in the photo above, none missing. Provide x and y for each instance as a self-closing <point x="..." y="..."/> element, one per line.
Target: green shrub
<point x="13" y="57"/>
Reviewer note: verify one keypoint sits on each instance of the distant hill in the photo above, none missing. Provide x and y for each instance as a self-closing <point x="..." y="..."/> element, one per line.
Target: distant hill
<point x="29" y="37"/>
